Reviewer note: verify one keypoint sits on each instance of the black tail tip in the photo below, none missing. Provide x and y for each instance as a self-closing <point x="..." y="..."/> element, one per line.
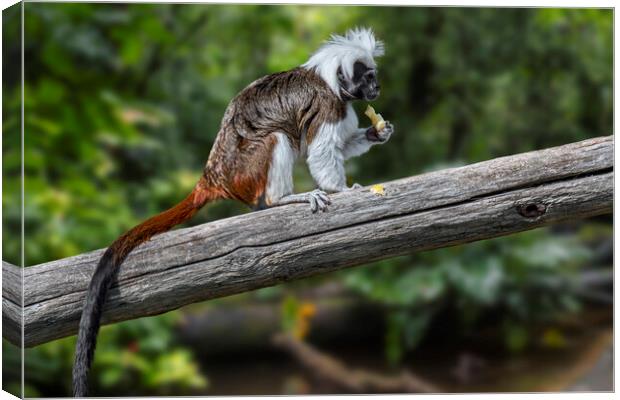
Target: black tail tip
<point x="80" y="386"/>
<point x="80" y="391"/>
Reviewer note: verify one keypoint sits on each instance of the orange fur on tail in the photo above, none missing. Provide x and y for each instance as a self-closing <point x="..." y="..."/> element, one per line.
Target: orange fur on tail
<point x="108" y="267"/>
<point x="164" y="221"/>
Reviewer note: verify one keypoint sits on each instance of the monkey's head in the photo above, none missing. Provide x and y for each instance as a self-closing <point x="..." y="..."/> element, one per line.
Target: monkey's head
<point x="347" y="64"/>
<point x="363" y="85"/>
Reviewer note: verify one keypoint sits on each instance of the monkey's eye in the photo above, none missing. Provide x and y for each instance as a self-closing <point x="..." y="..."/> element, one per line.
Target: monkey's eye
<point x="370" y="76"/>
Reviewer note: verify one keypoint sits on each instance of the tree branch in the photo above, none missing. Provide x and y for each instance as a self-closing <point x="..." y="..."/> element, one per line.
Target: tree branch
<point x="329" y="369"/>
<point x="265" y="248"/>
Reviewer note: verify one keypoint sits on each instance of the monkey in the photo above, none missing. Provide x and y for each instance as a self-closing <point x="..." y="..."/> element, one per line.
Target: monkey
<point x="303" y="113"/>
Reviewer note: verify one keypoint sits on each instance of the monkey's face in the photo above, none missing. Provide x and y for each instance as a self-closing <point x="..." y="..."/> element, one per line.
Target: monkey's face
<point x="364" y="85"/>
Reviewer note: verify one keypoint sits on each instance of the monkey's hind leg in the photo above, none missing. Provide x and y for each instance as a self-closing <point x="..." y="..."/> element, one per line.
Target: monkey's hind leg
<point x="280" y="179"/>
<point x="317" y="198"/>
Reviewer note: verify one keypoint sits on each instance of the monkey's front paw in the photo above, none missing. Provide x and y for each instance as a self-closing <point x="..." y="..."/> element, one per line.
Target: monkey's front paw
<point x="384" y="134"/>
<point x="318" y="200"/>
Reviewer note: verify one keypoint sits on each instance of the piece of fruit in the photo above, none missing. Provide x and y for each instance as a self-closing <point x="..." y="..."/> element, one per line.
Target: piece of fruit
<point x="376" y="119"/>
<point x="378" y="189"/>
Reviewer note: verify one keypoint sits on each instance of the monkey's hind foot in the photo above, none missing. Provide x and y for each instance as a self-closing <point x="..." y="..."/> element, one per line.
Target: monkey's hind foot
<point x="317" y="199"/>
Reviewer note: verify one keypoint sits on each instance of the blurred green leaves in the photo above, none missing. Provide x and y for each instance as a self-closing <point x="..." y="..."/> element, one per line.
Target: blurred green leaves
<point x="525" y="277"/>
<point x="136" y="357"/>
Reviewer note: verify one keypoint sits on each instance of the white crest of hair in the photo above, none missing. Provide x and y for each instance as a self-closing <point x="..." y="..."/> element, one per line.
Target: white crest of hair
<point x="357" y="44"/>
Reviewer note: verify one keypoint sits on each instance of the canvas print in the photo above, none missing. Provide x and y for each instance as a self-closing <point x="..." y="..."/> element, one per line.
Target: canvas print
<point x="306" y="199"/>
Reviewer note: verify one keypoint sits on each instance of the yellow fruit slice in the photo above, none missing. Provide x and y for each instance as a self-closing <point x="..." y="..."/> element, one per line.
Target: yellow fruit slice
<point x="378" y="189"/>
<point x="376" y="119"/>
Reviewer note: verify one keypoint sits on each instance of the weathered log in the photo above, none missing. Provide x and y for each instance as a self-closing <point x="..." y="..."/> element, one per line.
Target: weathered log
<point x="437" y="209"/>
<point x="12" y="310"/>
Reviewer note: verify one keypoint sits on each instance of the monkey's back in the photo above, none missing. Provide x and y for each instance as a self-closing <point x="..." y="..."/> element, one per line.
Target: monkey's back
<point x="295" y="103"/>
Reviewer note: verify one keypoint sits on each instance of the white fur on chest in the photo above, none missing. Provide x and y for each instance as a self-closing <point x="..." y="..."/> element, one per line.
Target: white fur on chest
<point x="348" y="126"/>
<point x="335" y="134"/>
<point x="326" y="152"/>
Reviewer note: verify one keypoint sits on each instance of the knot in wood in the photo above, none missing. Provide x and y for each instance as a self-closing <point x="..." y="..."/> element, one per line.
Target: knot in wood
<point x="531" y="210"/>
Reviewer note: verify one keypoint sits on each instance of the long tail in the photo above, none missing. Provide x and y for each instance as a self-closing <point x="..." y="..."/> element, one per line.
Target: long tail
<point x="108" y="267"/>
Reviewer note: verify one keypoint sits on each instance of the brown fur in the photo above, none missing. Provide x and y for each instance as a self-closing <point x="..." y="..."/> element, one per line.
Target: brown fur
<point x="248" y="185"/>
<point x="295" y="103"/>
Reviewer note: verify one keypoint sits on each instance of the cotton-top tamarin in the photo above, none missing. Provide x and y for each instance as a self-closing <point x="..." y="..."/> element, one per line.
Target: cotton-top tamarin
<point x="302" y="113"/>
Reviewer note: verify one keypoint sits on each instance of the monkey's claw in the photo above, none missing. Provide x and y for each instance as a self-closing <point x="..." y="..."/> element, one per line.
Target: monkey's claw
<point x="318" y="200"/>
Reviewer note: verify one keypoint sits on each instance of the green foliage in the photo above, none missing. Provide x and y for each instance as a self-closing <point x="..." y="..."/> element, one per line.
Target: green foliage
<point x="516" y="336"/>
<point x="150" y="361"/>
<point x="290" y="309"/>
<point x="135" y="357"/>
<point x="527" y="276"/>
<point x="405" y="330"/>
<point x="296" y="316"/>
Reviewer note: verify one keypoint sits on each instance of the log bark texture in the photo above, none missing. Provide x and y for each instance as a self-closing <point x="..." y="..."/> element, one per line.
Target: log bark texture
<point x="264" y="248"/>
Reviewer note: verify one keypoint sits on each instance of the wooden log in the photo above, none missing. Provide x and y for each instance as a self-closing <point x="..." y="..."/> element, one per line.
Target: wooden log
<point x="255" y="250"/>
<point x="11" y="303"/>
